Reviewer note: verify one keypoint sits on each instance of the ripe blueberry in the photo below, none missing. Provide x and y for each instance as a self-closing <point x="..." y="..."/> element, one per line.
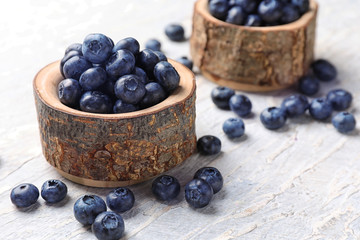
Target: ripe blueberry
<point x="234" y="127"/>
<point x="309" y="85"/>
<point x="290" y="13"/>
<point x="69" y="92"/>
<point x="165" y="187"/>
<point x="141" y="75"/>
<point x="66" y="57"/>
<point x="122" y="107"/>
<point x="92" y="78"/>
<point x="53" y="191"/>
<point x="295" y="105"/>
<point x="167" y="76"/>
<point x="303" y="5"/>
<point x="147" y="60"/>
<point x="160" y="55"/>
<point x="185" y="61"/>
<point x="249" y="6"/>
<point x="175" y="32"/>
<point x="235" y="15"/>
<point x="320" y="109"/>
<point x="221" y="96"/>
<point x="324" y="70"/>
<point x="130" y="44"/>
<point x="270" y="10"/>
<point x="240" y="104"/>
<point x="87" y="207"/>
<point x="122" y="62"/>
<point x="97" y="47"/>
<point x="120" y="199"/>
<point x="212" y="176"/>
<point x="340" y="99"/>
<point x="344" y="122"/>
<point x="154" y="95"/>
<point x="95" y="102"/>
<point x="253" y="20"/>
<point x="273" y="118"/>
<point x="198" y="193"/>
<point x="24" y="195"/>
<point x="74" y="47"/>
<point x="75" y="66"/>
<point x="209" y="145"/>
<point x="108" y="226"/>
<point x="153" y="44"/>
<point x="130" y="89"/>
<point x="219" y="8"/>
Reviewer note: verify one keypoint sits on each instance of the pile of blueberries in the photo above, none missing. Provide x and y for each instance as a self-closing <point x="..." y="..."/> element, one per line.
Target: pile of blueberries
<point x="106" y="225"/>
<point x="101" y="77"/>
<point x="258" y="12"/>
<point x="293" y="106"/>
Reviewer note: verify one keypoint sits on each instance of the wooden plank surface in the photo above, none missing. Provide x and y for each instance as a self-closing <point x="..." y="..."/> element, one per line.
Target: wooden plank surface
<point x="302" y="182"/>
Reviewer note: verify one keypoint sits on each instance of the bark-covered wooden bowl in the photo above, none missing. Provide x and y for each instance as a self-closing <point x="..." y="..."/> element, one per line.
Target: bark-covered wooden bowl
<point x="110" y="150"/>
<point x="252" y="58"/>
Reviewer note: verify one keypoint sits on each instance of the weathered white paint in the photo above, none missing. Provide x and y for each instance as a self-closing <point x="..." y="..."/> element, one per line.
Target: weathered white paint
<point x="302" y="182"/>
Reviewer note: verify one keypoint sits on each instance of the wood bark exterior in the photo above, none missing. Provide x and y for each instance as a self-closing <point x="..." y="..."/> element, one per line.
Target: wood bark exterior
<point x="252" y="58"/>
<point x="107" y="150"/>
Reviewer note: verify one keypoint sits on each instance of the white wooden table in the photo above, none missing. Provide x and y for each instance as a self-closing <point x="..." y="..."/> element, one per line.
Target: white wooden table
<point x="302" y="182"/>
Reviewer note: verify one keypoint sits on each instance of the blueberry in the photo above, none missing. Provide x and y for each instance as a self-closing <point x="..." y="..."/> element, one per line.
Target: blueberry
<point x="165" y="187"/>
<point x="234" y="127"/>
<point x="198" y="193"/>
<point x="147" y="60"/>
<point x="141" y="75"/>
<point x="108" y="226"/>
<point x="270" y="10"/>
<point x="212" y="176"/>
<point x="130" y="89"/>
<point x="120" y="199"/>
<point x="309" y="85"/>
<point x="249" y="6"/>
<point x="87" y="208"/>
<point x="185" y="61"/>
<point x="154" y="95"/>
<point x="290" y="13"/>
<point x="130" y="44"/>
<point x="122" y="62"/>
<point x="69" y="92"/>
<point x="221" y="96"/>
<point x="219" y="8"/>
<point x="303" y="5"/>
<point x="340" y="99"/>
<point x="161" y="56"/>
<point x="167" y="76"/>
<point x="235" y="15"/>
<point x="175" y="32"/>
<point x="75" y="66"/>
<point x="53" y="191"/>
<point x="67" y="57"/>
<point x="320" y="109"/>
<point x="95" y="102"/>
<point x="273" y="118"/>
<point x="74" y="47"/>
<point x="92" y="78"/>
<point x="108" y="89"/>
<point x="324" y="70"/>
<point x="97" y="47"/>
<point x="295" y="105"/>
<point x="240" y="104"/>
<point x="209" y="145"/>
<point x="122" y="107"/>
<point x="153" y="44"/>
<point x="344" y="122"/>
<point x="24" y="195"/>
<point x="253" y="20"/>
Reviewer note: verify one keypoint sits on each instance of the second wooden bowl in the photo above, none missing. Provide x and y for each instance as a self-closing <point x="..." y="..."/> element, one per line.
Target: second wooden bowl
<point x="110" y="150"/>
<point x="252" y="58"/>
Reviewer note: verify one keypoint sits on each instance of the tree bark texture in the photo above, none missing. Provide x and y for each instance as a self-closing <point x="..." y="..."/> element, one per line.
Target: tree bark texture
<point x="252" y="58"/>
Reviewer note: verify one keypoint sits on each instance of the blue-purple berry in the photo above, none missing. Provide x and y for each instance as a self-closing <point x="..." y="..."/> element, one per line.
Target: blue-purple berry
<point x="24" y="195"/>
<point x="97" y="47"/>
<point x="309" y="85"/>
<point x="129" y="43"/>
<point x="92" y="78"/>
<point x="212" y="176"/>
<point x="340" y="99"/>
<point x="209" y="145"/>
<point x="120" y="63"/>
<point x="240" y="104"/>
<point x="155" y="94"/>
<point x="153" y="44"/>
<point x="198" y="193"/>
<point x="75" y="66"/>
<point x="87" y="207"/>
<point x="130" y="89"/>
<point x="344" y="122"/>
<point x="234" y="127"/>
<point x="320" y="109"/>
<point x="122" y="107"/>
<point x="221" y="96"/>
<point x="175" y="32"/>
<point x="235" y="15"/>
<point x="95" y="102"/>
<point x="108" y="226"/>
<point x="165" y="187"/>
<point x="69" y="92"/>
<point x="167" y="76"/>
<point x="295" y="105"/>
<point x="324" y="70"/>
<point x="120" y="199"/>
<point x="273" y="118"/>
<point x="270" y="10"/>
<point x="53" y="191"/>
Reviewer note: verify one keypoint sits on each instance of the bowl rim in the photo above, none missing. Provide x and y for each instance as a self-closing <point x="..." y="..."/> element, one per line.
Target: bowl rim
<point x="202" y="8"/>
<point x="46" y="91"/>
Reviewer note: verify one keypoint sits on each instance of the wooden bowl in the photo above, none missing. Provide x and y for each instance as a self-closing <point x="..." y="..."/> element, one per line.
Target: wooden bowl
<point x="110" y="150"/>
<point x="252" y="58"/>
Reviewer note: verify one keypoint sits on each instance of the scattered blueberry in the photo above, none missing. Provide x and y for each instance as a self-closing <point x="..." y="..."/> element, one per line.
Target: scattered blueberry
<point x="87" y="208"/>
<point x="290" y="13"/>
<point x="198" y="193"/>
<point x="320" y="109"/>
<point x="309" y="85"/>
<point x="69" y="92"/>
<point x="167" y="76"/>
<point x="130" y="89"/>
<point x="240" y="104"/>
<point x="108" y="226"/>
<point x="175" y="32"/>
<point x="324" y="70"/>
<point x="340" y="99"/>
<point x="161" y="56"/>
<point x="120" y="200"/>
<point x="344" y="122"/>
<point x="53" y="191"/>
<point x="92" y="78"/>
<point x="130" y="44"/>
<point x="122" y="107"/>
<point x="154" y="95"/>
<point x="273" y="118"/>
<point x="74" y="47"/>
<point x="185" y="61"/>
<point x="221" y="96"/>
<point x="212" y="176"/>
<point x="219" y="8"/>
<point x="165" y="187"/>
<point x="234" y="127"/>
<point x="24" y="195"/>
<point x="95" y="102"/>
<point x="270" y="10"/>
<point x="153" y="44"/>
<point x="253" y="20"/>
<point x="295" y="105"/>
<point x="303" y="5"/>
<point x="97" y="47"/>
<point x="147" y="60"/>
<point x="209" y="145"/>
<point x="122" y="62"/>
<point x="75" y="66"/>
<point x="235" y="15"/>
